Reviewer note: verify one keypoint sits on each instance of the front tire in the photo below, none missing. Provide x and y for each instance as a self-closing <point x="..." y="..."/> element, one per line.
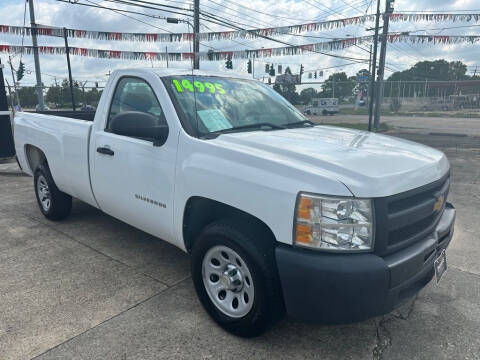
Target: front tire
<point x="235" y="277"/>
<point x="54" y="204"/>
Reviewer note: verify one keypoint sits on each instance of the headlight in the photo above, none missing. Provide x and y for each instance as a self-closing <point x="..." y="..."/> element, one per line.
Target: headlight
<point x="333" y="223"/>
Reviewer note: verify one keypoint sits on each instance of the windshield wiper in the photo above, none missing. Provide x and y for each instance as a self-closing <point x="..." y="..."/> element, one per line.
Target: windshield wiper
<point x="250" y="126"/>
<point x="300" y="123"/>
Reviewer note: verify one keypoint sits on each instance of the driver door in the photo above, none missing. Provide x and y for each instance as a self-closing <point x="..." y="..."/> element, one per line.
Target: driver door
<point x="133" y="180"/>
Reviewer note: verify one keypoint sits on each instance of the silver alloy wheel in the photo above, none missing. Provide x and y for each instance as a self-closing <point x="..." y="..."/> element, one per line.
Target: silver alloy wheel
<point x="228" y="281"/>
<point x="43" y="191"/>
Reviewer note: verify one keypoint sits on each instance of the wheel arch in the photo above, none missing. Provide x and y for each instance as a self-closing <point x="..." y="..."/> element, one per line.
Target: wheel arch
<point x="35" y="156"/>
<point x="200" y="212"/>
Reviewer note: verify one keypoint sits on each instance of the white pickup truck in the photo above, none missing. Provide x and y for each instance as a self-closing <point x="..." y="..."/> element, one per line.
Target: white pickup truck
<point x="280" y="216"/>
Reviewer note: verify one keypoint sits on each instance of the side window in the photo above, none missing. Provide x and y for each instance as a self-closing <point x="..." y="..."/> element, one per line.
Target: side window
<point x="134" y="94"/>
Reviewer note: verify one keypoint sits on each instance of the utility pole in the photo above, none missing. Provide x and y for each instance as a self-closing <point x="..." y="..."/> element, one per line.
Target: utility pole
<point x="369" y="93"/>
<point x="67" y="52"/>
<point x="253" y="68"/>
<point x="374" y="68"/>
<point x="381" y="65"/>
<point x="38" y="75"/>
<point x="166" y="54"/>
<point x="370" y="60"/>
<point x="196" y="31"/>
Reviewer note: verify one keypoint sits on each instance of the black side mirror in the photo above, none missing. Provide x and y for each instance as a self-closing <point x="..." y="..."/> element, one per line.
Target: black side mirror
<point x="139" y="125"/>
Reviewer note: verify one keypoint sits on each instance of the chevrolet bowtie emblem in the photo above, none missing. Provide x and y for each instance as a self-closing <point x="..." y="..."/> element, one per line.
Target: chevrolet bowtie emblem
<point x="438" y="204"/>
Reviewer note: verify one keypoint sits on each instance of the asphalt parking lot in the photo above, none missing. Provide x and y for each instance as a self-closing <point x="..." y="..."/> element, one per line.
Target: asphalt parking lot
<point x="91" y="287"/>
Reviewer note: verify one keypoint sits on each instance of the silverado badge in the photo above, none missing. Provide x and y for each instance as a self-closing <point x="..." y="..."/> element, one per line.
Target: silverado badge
<point x="438" y="204"/>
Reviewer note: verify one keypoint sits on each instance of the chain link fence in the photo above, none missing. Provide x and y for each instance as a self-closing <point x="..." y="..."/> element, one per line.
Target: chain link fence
<point x="398" y="97"/>
<point x="55" y="97"/>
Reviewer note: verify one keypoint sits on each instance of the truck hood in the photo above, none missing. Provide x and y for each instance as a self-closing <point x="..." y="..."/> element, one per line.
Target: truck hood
<point x="368" y="164"/>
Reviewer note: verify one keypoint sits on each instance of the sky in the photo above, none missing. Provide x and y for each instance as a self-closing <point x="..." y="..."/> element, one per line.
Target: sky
<point x="266" y="14"/>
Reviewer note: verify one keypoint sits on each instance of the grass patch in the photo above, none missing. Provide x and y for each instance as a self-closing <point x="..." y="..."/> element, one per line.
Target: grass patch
<point x="440" y="114"/>
<point x="445" y="114"/>
<point x="352" y="111"/>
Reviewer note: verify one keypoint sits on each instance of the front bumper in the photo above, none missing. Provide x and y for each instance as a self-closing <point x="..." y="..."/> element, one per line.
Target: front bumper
<point x="334" y="288"/>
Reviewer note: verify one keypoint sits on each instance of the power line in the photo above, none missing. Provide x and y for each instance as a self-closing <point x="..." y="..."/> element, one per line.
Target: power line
<point x="115" y="10"/>
<point x="261" y="12"/>
<point x="445" y="28"/>
<point x="140" y="3"/>
<point x="462" y="12"/>
<point x="218" y="20"/>
<point x="130" y="17"/>
<point x="244" y="15"/>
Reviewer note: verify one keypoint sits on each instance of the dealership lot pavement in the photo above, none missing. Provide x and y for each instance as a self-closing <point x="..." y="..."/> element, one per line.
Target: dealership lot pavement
<point x="92" y="287"/>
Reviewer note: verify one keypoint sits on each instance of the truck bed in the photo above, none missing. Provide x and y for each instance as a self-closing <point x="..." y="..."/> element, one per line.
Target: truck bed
<point x="79" y="115"/>
<point x="65" y="143"/>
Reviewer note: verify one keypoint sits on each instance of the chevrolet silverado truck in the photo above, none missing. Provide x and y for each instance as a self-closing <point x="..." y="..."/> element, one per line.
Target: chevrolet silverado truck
<point x="279" y="216"/>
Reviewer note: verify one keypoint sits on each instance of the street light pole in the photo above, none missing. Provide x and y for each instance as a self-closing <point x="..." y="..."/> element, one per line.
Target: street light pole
<point x="178" y="21"/>
<point x="14" y="82"/>
<point x="38" y="75"/>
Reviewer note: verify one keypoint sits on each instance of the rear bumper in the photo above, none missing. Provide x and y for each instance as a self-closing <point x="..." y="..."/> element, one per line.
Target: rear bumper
<point x="342" y="288"/>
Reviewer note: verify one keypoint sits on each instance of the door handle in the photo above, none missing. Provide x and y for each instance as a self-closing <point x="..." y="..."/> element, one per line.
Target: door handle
<point x="105" y="151"/>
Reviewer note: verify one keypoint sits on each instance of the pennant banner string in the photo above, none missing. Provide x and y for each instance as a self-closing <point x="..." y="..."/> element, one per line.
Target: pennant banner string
<point x="43" y="30"/>
<point x="243" y="54"/>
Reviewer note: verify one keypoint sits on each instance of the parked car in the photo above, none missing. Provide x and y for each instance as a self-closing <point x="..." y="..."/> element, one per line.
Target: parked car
<point x="86" y="107"/>
<point x="322" y="106"/>
<point x="327" y="224"/>
<point x="45" y="108"/>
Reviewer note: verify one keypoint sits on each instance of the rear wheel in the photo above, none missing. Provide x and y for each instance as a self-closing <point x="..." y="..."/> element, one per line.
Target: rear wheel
<point x="235" y="277"/>
<point x="54" y="204"/>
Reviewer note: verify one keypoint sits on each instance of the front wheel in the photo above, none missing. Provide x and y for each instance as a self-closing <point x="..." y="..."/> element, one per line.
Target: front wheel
<point x="54" y="204"/>
<point x="235" y="277"/>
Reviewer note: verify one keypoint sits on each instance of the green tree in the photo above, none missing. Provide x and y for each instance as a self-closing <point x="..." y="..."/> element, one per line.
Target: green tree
<point x="54" y="95"/>
<point x="338" y="85"/>
<point x="28" y="96"/>
<point x="306" y="95"/>
<point x="437" y="70"/>
<point x="66" y="98"/>
<point x="92" y="97"/>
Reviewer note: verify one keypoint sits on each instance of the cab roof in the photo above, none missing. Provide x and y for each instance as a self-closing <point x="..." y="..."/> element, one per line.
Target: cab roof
<point x="163" y="72"/>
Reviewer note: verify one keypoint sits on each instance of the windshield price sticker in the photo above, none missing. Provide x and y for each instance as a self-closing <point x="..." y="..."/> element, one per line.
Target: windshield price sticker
<point x="198" y="86"/>
<point x="214" y="120"/>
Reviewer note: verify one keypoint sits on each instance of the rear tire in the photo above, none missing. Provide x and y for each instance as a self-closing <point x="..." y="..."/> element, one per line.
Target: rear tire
<point x="54" y="204"/>
<point x="250" y="258"/>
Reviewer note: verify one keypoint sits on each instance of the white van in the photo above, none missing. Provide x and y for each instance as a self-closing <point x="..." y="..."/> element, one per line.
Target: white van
<point x="324" y="106"/>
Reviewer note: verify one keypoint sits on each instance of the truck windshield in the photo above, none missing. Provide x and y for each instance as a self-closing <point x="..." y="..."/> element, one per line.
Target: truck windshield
<point x="215" y="105"/>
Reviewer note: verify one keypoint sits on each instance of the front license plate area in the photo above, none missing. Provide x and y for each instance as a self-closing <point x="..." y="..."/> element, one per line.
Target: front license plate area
<point x="440" y="265"/>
